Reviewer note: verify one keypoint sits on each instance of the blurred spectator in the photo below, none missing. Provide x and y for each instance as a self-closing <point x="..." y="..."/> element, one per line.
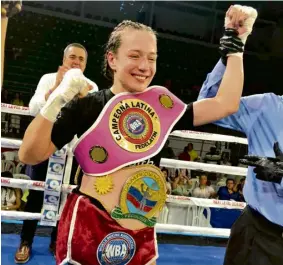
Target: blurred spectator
<point x="5" y="97"/>
<point x="16" y="119"/>
<point x="17" y="52"/>
<point x="17" y="100"/>
<point x="213" y="156"/>
<point x="182" y="184"/>
<point x="10" y="197"/>
<point x="203" y="191"/>
<point x="185" y="155"/>
<point x="225" y="160"/>
<point x="167" y="151"/>
<point x="193" y="154"/>
<point x="239" y="188"/>
<point x="166" y="176"/>
<point x="227" y="192"/>
<point x="171" y="175"/>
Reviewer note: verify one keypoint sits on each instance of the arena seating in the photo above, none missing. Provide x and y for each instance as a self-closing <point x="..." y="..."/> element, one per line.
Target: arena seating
<point x="35" y="45"/>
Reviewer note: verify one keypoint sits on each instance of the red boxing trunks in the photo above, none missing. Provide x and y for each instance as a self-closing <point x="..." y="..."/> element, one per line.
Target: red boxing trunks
<point x="89" y="236"/>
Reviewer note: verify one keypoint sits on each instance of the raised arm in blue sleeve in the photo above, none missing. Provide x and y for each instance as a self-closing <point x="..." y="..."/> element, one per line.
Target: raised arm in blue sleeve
<point x="211" y="84"/>
<point x="241" y="120"/>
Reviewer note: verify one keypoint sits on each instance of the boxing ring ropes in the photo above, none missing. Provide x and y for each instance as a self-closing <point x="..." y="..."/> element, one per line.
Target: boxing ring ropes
<point x="195" y="206"/>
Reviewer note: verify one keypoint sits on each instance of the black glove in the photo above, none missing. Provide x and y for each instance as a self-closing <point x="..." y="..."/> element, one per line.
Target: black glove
<point x="10" y="8"/>
<point x="267" y="168"/>
<point x="230" y="43"/>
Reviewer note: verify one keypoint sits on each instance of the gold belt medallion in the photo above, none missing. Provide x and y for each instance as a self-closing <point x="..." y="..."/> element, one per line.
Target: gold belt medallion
<point x="142" y="197"/>
<point x="134" y="125"/>
<point x="103" y="185"/>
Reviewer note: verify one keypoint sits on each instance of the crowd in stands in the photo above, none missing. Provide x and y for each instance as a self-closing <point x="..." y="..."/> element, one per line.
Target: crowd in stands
<point x="11" y="123"/>
<point x="14" y="99"/>
<point x="30" y="54"/>
<point x="183" y="66"/>
<point x="182" y="62"/>
<point x="184" y="182"/>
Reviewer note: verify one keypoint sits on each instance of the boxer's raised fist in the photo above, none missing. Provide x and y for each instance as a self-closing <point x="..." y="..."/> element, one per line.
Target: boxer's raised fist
<point x="73" y="83"/>
<point x="241" y="18"/>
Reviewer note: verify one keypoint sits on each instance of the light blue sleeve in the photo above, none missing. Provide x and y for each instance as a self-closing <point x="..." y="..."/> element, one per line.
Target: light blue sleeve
<point x="249" y="106"/>
<point x="211" y="84"/>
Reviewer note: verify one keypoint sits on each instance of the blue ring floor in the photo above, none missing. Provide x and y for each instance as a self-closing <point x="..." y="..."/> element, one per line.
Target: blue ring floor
<point x="169" y="254"/>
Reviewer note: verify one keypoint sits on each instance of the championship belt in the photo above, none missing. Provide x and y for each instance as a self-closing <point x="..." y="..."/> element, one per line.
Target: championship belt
<point x="142" y="198"/>
<point x="137" y="192"/>
<point x="131" y="128"/>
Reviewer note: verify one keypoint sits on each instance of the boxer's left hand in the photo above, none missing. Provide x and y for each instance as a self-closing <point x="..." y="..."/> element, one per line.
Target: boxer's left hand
<point x="238" y="25"/>
<point x="242" y="19"/>
<point x="267" y="168"/>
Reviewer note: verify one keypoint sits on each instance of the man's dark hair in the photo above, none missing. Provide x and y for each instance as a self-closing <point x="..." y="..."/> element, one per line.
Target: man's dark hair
<point x="230" y="180"/>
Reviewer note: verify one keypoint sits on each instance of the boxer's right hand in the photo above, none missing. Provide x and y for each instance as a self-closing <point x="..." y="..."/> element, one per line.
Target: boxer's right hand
<point x="60" y="75"/>
<point x="73" y="83"/>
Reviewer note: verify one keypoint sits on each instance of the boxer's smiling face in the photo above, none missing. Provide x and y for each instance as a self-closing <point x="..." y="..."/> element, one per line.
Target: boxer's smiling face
<point x="134" y="63"/>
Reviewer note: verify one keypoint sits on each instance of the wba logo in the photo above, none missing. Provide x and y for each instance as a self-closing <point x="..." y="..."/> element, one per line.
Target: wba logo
<point x="116" y="248"/>
<point x="56" y="168"/>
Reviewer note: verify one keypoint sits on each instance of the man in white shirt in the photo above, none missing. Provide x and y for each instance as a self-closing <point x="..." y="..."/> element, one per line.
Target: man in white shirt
<point x="203" y="191"/>
<point x="75" y="56"/>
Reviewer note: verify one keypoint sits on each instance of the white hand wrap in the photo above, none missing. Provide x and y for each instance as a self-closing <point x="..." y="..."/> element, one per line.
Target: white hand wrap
<point x="248" y="23"/>
<point x="72" y="84"/>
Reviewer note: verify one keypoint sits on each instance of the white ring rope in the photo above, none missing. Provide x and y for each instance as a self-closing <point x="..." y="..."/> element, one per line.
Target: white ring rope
<point x="193" y="230"/>
<point x="10" y="143"/>
<point x="31" y="184"/>
<point x="40" y="185"/>
<point x="169" y="163"/>
<point x="160" y="228"/>
<point x="209" y="137"/>
<point x="13" y="109"/>
<point x="172" y="163"/>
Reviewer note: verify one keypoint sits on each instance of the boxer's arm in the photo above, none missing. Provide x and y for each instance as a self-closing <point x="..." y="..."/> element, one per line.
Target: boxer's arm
<point x="43" y="137"/>
<point x="227" y="99"/>
<point x="238" y="24"/>
<point x="37" y="145"/>
<point x="212" y="83"/>
<point x="210" y="88"/>
<point x="93" y="85"/>
<point x="60" y="108"/>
